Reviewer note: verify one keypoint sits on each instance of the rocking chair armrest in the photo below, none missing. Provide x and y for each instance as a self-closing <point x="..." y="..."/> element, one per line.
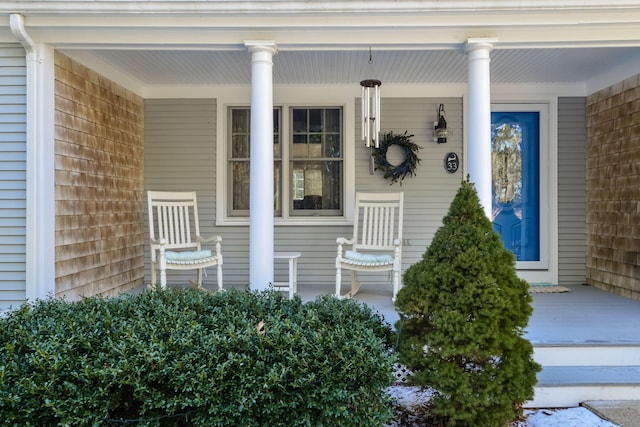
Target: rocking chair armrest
<point x="344" y="241"/>
<point x="217" y="240"/>
<point x="161" y="242"/>
<point x="208" y="239"/>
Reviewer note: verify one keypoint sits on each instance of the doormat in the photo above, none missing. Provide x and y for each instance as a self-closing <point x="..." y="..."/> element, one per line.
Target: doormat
<point x="547" y="288"/>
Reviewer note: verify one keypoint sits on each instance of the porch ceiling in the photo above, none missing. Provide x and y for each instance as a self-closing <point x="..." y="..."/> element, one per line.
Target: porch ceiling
<point x="151" y="68"/>
<point x="180" y="43"/>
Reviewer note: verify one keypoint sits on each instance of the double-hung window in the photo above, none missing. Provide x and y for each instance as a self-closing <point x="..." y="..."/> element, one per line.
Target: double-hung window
<point x="315" y="160"/>
<point x="308" y="162"/>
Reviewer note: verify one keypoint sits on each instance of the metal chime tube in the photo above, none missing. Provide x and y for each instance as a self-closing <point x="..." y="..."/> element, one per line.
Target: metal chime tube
<point x="363" y="117"/>
<point x="376" y="134"/>
<point x="367" y="126"/>
<point x="371" y="112"/>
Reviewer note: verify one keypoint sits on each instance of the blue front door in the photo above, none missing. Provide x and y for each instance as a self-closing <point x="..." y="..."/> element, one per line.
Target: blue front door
<point x="515" y="165"/>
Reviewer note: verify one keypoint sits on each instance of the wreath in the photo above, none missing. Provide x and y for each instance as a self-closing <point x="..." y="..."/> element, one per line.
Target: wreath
<point x="407" y="167"/>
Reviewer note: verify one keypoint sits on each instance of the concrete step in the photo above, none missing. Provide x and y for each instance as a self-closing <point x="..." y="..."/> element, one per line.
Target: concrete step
<point x="587" y="354"/>
<point x="563" y="376"/>
<point x="576" y="372"/>
<point x="569" y="386"/>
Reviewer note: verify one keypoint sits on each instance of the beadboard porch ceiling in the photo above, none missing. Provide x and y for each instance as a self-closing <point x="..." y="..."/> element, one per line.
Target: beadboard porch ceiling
<point x="151" y="68"/>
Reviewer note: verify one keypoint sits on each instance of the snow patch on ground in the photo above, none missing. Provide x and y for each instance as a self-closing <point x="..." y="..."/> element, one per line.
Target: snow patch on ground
<point x="569" y="417"/>
<point x="413" y="398"/>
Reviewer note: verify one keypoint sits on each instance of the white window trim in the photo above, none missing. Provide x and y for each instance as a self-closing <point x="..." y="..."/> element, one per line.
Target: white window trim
<point x="545" y="270"/>
<point x="347" y="105"/>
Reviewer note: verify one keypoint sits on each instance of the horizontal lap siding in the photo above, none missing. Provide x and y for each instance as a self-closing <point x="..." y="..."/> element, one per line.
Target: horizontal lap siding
<point x="428" y="194"/>
<point x="180" y="156"/>
<point x="13" y="149"/>
<point x="571" y="190"/>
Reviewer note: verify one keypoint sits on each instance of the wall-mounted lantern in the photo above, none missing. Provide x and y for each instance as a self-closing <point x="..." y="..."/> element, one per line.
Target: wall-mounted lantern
<point x="440" y="127"/>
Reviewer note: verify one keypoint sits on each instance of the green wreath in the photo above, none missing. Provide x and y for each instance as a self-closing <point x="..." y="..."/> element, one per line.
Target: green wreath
<point x="407" y="167"/>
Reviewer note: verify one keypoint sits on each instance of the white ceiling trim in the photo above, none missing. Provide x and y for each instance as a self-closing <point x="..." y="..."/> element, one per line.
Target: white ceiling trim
<point x="318" y="6"/>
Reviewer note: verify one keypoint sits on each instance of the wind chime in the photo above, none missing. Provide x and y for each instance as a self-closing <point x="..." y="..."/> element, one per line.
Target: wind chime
<point x="371" y="110"/>
<point x="371" y="114"/>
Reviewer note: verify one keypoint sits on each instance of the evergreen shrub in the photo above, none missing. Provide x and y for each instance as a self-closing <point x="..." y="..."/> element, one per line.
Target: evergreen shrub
<point x="190" y="357"/>
<point x="463" y="312"/>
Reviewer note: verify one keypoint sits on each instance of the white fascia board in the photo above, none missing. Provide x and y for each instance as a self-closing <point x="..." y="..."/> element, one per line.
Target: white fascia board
<point x="378" y="23"/>
<point x="288" y="7"/>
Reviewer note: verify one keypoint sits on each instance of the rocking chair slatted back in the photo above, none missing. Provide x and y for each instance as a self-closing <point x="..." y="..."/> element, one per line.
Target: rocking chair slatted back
<point x="378" y="225"/>
<point x="173" y="222"/>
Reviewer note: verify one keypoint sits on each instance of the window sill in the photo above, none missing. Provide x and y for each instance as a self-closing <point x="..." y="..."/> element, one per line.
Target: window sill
<point x="294" y="221"/>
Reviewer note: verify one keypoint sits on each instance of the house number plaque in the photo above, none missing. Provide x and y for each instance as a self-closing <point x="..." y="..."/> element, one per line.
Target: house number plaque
<point x="451" y="162"/>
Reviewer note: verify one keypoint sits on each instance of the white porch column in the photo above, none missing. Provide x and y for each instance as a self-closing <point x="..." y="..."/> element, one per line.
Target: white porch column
<point x="479" y="118"/>
<point x="261" y="191"/>
<point x="40" y="176"/>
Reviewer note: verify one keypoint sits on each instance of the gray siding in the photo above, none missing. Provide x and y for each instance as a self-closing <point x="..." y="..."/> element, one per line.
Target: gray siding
<point x="13" y="147"/>
<point x="571" y="190"/>
<point x="180" y="155"/>
<point x="429" y="193"/>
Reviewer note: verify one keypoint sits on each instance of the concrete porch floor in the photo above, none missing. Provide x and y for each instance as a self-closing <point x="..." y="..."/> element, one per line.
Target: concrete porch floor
<point x="585" y="315"/>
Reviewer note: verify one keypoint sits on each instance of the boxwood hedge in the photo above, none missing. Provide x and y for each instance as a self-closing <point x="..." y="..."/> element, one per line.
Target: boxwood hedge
<point x="190" y="357"/>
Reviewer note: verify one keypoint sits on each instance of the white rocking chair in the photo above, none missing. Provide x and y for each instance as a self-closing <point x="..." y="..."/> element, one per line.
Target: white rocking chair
<point x="175" y="240"/>
<point x="376" y="244"/>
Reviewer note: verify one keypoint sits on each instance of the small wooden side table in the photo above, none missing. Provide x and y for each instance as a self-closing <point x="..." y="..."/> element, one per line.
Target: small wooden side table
<point x="292" y="284"/>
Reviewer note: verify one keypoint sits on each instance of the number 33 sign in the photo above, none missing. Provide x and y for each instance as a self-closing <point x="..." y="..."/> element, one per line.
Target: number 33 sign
<point x="451" y="162"/>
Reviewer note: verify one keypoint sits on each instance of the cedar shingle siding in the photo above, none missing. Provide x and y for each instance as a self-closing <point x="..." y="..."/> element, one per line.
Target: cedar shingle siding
<point x="613" y="188"/>
<point x="99" y="167"/>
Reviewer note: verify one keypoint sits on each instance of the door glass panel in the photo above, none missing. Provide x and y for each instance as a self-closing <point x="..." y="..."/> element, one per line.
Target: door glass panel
<point x="515" y="165"/>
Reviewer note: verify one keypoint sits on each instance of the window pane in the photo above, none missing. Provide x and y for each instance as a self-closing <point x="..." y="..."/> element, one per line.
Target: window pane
<point x="240" y="186"/>
<point x="317" y="133"/>
<point x="240" y="133"/>
<point x="277" y="147"/>
<point x="240" y="146"/>
<point x="332" y="146"/>
<point x="238" y="170"/>
<point x="315" y="120"/>
<point x="333" y="120"/>
<point x="241" y="120"/>
<point x="317" y="186"/>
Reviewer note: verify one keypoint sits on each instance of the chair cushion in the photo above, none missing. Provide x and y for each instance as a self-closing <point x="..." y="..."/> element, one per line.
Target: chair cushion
<point x="378" y="258"/>
<point x="187" y="255"/>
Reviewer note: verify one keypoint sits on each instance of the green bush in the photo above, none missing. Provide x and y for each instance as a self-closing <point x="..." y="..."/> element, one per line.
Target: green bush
<point x="463" y="311"/>
<point x="189" y="357"/>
